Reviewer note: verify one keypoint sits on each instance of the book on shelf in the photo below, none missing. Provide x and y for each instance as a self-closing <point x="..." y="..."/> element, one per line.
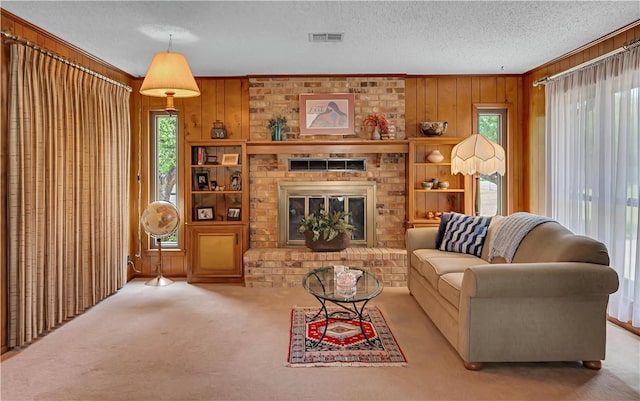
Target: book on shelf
<point x="198" y="155"/>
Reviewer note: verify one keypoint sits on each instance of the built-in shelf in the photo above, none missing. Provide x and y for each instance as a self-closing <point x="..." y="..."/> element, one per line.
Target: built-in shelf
<point x="438" y="190"/>
<point x="432" y="164"/>
<point x="210" y="165"/>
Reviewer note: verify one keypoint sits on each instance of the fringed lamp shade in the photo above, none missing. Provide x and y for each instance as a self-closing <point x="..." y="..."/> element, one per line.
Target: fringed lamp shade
<point x="169" y="76"/>
<point x="477" y="154"/>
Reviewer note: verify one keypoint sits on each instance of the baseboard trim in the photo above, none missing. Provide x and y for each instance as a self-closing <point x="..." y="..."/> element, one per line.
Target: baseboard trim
<point x="624" y="325"/>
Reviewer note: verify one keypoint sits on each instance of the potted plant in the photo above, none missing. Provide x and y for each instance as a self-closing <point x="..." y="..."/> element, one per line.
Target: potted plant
<point x="378" y="122"/>
<point x="277" y="125"/>
<point x="326" y="232"/>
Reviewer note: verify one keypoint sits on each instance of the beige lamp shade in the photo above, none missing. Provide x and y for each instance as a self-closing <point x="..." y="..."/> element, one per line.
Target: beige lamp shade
<point x="169" y="76"/>
<point x="478" y="154"/>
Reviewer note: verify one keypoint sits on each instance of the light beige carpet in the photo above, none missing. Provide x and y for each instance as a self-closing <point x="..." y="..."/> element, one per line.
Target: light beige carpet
<point x="220" y="342"/>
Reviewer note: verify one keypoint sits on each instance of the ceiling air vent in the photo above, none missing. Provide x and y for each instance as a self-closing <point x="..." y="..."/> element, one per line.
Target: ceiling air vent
<point x="326" y="37"/>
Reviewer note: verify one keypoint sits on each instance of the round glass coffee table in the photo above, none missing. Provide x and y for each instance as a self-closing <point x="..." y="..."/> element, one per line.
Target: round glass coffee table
<point x="321" y="283"/>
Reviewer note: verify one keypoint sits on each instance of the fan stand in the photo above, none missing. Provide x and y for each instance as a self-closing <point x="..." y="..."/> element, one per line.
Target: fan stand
<point x="160" y="280"/>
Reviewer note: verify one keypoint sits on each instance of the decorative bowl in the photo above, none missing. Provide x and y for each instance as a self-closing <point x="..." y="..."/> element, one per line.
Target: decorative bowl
<point x="427" y="184"/>
<point x="433" y="128"/>
<point x="443" y="185"/>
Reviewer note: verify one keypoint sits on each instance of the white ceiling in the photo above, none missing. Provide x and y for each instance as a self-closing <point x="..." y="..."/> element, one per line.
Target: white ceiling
<point x="235" y="38"/>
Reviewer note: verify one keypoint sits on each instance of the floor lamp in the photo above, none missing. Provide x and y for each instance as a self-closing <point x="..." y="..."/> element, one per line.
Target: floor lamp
<point x="477" y="155"/>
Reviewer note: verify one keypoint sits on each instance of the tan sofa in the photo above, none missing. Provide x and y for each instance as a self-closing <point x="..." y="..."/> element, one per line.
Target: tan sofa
<point x="549" y="304"/>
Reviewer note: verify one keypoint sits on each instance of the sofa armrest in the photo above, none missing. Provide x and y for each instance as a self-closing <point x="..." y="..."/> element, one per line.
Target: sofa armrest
<point x="558" y="279"/>
<point x="523" y="312"/>
<point x="421" y="238"/>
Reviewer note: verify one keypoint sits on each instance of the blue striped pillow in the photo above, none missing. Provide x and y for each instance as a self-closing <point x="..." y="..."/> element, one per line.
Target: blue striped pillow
<point x="465" y="234"/>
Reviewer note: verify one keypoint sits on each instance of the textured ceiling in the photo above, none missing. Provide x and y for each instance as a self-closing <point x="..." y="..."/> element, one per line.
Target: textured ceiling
<point x="265" y="37"/>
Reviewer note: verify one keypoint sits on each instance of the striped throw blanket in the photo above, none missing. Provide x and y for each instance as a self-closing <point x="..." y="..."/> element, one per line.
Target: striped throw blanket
<point x="511" y="232"/>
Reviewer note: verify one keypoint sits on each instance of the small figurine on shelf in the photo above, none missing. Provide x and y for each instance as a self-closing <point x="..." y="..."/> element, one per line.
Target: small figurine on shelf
<point x="391" y="132"/>
<point x="435" y="157"/>
<point x="218" y="131"/>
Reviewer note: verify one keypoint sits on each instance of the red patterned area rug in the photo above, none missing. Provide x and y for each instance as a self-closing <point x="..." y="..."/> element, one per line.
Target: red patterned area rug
<point x="343" y="344"/>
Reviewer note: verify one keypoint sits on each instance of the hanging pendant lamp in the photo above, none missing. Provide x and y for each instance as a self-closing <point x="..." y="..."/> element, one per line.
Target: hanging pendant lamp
<point x="169" y="76"/>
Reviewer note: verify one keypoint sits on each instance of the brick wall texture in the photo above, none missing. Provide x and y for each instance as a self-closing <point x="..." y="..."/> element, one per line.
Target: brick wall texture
<point x="270" y="97"/>
<point x="286" y="267"/>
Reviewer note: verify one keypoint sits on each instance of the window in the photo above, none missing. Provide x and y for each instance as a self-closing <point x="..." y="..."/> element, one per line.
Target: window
<point x="592" y="158"/>
<point x="164" y="160"/>
<point x="492" y="124"/>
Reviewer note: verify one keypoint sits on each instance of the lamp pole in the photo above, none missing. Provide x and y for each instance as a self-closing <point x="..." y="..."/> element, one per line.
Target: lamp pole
<point x="477" y="197"/>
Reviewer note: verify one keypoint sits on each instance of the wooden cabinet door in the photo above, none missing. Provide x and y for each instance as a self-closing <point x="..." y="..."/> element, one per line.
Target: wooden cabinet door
<point x="216" y="254"/>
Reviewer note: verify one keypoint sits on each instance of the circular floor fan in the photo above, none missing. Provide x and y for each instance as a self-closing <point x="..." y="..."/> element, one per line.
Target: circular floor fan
<point x="160" y="220"/>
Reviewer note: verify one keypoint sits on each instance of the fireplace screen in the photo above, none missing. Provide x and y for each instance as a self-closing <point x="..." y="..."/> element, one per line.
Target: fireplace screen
<point x="301" y="199"/>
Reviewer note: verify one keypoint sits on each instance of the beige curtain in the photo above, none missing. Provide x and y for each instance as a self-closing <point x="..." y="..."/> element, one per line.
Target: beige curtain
<point x="68" y="151"/>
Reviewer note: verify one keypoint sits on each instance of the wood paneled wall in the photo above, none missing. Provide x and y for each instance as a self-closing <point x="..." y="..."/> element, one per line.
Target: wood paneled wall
<point x="428" y="98"/>
<point x="455" y="98"/>
<point x="23" y="29"/>
<point x="224" y="99"/>
<point x="534" y="114"/>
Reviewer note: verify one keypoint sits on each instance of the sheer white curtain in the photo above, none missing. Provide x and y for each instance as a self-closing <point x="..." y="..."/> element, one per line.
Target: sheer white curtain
<point x="593" y="171"/>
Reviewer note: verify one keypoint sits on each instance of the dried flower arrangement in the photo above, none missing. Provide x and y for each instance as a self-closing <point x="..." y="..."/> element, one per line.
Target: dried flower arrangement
<point x="379" y="120"/>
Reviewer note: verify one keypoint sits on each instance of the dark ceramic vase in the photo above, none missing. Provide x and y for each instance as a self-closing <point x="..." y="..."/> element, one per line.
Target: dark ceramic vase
<point x="340" y="242"/>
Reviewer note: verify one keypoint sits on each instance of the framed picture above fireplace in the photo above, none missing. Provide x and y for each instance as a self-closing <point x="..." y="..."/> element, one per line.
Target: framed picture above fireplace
<point x="327" y="114"/>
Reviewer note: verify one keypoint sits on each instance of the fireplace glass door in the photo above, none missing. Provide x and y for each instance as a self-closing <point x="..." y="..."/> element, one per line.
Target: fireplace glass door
<point x="298" y="199"/>
<point x="300" y="206"/>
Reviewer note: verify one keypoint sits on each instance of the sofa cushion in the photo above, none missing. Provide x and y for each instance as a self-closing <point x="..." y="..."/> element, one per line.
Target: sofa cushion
<point x="465" y="234"/>
<point x="444" y="219"/>
<point x="449" y="287"/>
<point x="432" y="263"/>
<point x="560" y="245"/>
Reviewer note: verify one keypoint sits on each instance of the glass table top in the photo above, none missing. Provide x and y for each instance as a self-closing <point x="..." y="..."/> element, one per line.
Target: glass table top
<point x="322" y="284"/>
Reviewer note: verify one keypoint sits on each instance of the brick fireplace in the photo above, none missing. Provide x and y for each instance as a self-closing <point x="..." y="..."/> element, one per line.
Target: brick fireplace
<point x="268" y="263"/>
<point x="266" y="171"/>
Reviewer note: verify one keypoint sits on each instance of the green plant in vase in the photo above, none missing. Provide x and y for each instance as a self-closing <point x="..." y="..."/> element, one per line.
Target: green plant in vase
<point x="277" y="125"/>
<point x="326" y="231"/>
